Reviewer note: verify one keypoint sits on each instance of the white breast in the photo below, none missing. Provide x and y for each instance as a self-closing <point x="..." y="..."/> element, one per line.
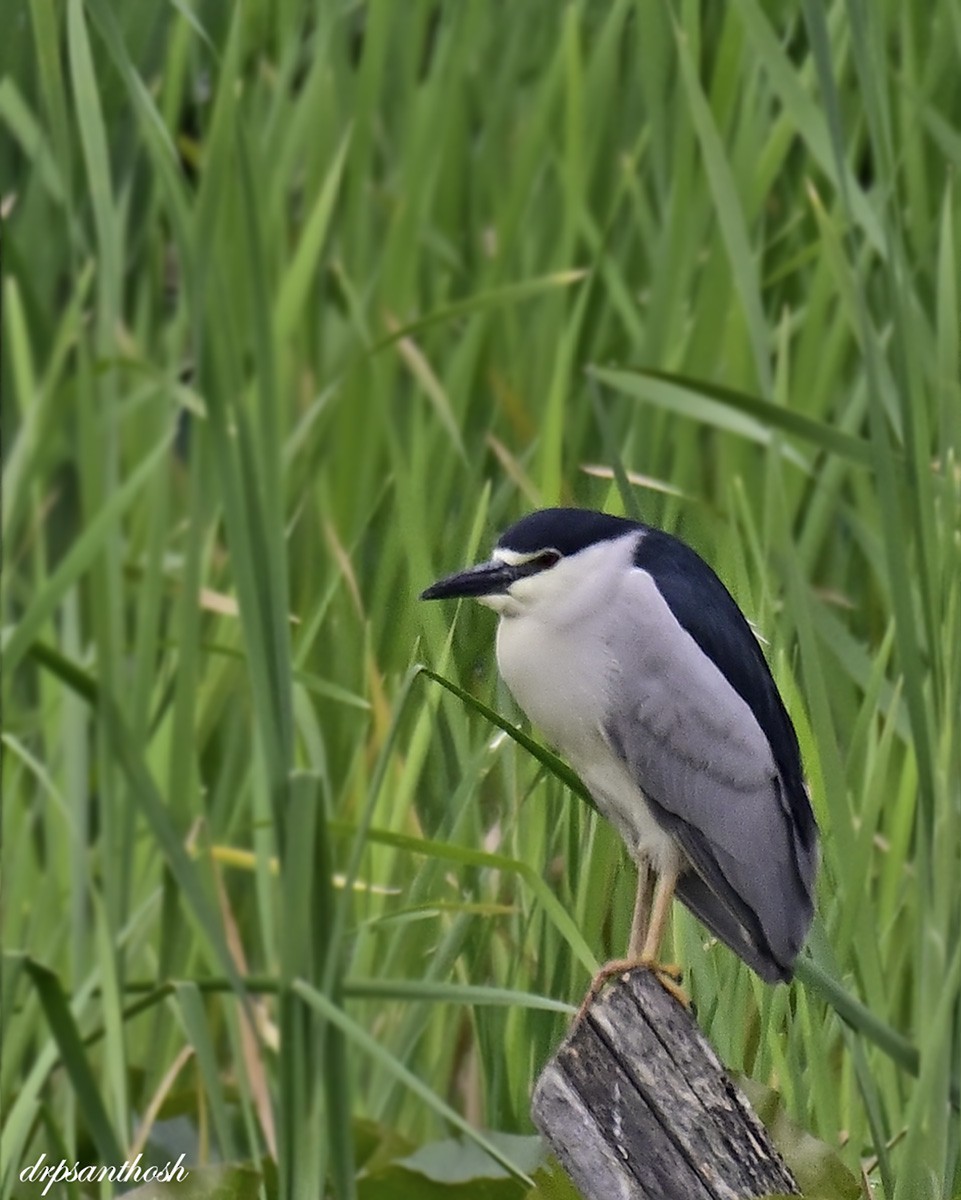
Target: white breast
<point x="560" y="669"/>
<point x="558" y="680"/>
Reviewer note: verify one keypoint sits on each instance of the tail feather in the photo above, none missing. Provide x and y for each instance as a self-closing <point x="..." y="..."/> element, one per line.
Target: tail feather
<point x="709" y="909"/>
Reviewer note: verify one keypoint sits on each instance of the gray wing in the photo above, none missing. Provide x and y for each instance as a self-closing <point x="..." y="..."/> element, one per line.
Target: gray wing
<point x="695" y="749"/>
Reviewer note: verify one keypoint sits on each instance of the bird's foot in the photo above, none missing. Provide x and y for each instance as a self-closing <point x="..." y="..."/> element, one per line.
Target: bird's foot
<point x="668" y="975"/>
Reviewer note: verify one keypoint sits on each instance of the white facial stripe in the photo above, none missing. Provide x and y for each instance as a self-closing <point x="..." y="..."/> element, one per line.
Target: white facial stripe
<point x="514" y="558"/>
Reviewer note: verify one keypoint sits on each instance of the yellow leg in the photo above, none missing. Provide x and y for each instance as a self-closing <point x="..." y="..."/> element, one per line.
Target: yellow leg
<point x="668" y="976"/>
<point x="642" y="909"/>
<point x="660" y="911"/>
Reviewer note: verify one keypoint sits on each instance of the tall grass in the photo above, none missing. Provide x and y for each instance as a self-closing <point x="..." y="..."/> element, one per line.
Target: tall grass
<point x="301" y="305"/>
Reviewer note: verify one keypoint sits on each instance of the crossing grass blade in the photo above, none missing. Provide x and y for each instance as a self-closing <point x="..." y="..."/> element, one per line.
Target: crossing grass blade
<point x="767" y="415"/>
<point x="370" y="1046"/>
<point x="63" y="1029"/>
<point x="87" y="546"/>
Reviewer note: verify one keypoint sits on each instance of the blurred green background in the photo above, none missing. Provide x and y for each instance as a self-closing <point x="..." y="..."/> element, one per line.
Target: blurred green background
<point x="302" y="304"/>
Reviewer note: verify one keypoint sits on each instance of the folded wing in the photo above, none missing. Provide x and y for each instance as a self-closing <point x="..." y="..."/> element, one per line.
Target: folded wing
<point x="701" y="727"/>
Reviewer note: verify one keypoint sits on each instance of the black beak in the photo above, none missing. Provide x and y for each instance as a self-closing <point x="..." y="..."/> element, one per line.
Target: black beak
<point x="483" y="580"/>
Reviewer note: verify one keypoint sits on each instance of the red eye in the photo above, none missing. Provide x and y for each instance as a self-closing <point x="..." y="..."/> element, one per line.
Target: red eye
<point x="547" y="559"/>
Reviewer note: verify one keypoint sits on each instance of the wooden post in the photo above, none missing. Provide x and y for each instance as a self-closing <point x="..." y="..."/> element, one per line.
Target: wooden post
<point x="636" y="1106"/>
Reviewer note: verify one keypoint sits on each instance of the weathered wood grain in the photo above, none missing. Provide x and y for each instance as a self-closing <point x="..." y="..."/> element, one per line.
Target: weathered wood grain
<point x="637" y="1106"/>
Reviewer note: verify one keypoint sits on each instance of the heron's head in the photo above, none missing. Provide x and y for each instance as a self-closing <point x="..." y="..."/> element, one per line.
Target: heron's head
<point x="540" y="561"/>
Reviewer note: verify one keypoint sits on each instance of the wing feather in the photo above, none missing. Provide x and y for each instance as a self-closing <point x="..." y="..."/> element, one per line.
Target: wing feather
<point x="696" y="749"/>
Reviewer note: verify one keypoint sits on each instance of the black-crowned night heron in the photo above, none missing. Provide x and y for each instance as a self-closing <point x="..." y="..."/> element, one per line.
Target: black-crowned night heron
<point x="621" y="644"/>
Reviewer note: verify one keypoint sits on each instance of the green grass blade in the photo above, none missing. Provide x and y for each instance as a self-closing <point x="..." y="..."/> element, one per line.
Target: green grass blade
<point x="79" y="557"/>
<point x="371" y="1047"/>
<point x="64" y="1030"/>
